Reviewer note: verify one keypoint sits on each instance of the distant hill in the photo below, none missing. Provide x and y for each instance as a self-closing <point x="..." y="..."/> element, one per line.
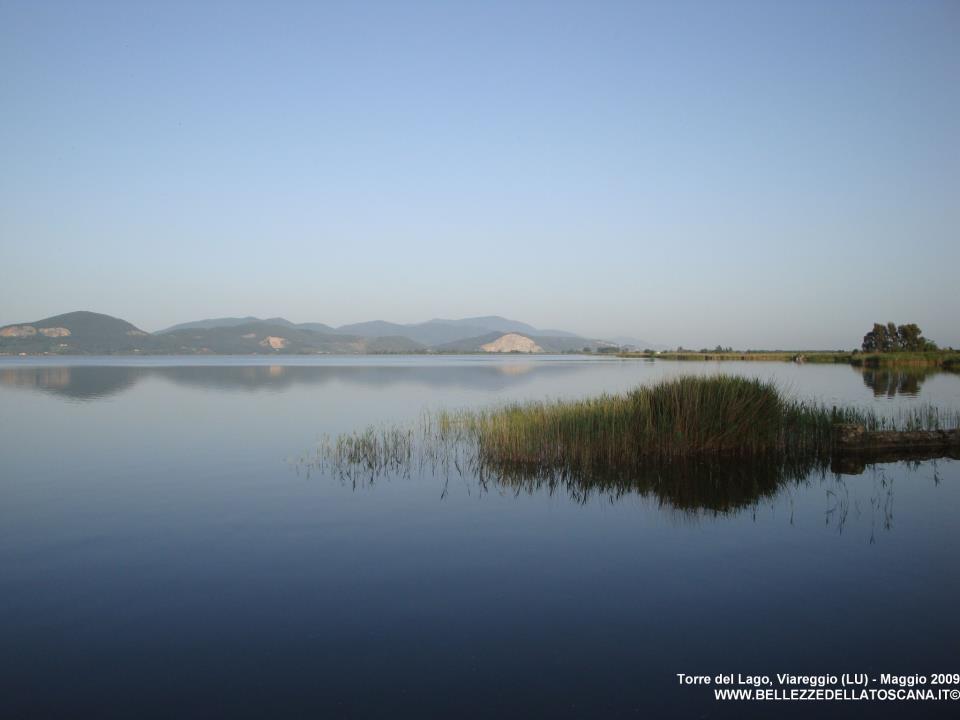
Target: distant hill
<point x="77" y="332"/>
<point x="434" y="332"/>
<point x="210" y="323"/>
<point x="427" y="334"/>
<point x="265" y="337"/>
<point x="546" y="343"/>
<point x="316" y="327"/>
<point x="258" y="337"/>
<point x="495" y="323"/>
<point x="439" y="331"/>
<point x="512" y="342"/>
<point x="227" y="322"/>
<point x="373" y="328"/>
<point x="391" y="344"/>
<point x="95" y="333"/>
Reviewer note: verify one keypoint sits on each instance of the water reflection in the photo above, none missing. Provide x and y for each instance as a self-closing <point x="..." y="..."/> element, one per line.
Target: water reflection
<point x="89" y="382"/>
<point x="696" y="487"/>
<point x="890" y="382"/>
<point x="78" y="383"/>
<point x="860" y="490"/>
<point x="86" y="380"/>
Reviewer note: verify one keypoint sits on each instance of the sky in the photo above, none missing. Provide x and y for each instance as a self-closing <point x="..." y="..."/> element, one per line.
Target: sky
<point x="754" y="174"/>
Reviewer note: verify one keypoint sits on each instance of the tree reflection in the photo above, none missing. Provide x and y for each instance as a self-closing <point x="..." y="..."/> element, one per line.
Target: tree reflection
<point x="890" y="382"/>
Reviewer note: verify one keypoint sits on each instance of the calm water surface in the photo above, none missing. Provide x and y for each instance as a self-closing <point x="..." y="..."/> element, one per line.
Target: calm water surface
<point x="166" y="554"/>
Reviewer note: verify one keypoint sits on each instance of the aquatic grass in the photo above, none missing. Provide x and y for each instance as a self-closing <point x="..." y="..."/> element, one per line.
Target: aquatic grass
<point x="374" y="450"/>
<point x="689" y="416"/>
<point x="647" y="431"/>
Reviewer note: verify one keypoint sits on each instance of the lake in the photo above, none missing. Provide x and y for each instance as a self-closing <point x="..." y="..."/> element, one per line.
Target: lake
<point x="170" y="550"/>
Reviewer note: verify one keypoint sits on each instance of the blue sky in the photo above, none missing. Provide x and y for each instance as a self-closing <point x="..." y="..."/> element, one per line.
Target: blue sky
<point x="757" y="174"/>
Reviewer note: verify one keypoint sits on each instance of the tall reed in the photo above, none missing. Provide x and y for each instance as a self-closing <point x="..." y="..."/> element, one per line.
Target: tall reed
<point x="719" y="415"/>
<point x="691" y="419"/>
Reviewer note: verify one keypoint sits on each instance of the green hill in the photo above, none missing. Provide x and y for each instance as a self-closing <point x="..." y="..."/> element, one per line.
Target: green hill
<point x="77" y="332"/>
<point x="260" y="338"/>
<point x="90" y="333"/>
<point x="412" y="337"/>
<point x="267" y="338"/>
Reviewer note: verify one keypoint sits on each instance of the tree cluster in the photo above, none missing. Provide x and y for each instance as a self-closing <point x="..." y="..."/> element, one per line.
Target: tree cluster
<point x="896" y="338"/>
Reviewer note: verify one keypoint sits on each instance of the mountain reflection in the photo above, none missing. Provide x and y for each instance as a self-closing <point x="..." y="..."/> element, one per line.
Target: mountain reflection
<point x="78" y="383"/>
<point x="89" y="382"/>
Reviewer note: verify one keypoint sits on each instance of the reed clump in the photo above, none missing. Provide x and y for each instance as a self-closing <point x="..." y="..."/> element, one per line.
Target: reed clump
<point x="649" y="431"/>
<point x="375" y="450"/>
<point x="689" y="416"/>
<point x="714" y="417"/>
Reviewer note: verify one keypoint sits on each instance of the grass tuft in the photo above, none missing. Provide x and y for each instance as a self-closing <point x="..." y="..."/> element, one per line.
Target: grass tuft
<point x="684" y="420"/>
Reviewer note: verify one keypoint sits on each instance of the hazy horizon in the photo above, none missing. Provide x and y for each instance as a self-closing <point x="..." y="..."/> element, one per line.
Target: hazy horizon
<point x="752" y="174"/>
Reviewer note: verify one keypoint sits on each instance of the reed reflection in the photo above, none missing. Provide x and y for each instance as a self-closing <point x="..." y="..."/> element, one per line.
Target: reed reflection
<point x="712" y="486"/>
<point x="691" y="489"/>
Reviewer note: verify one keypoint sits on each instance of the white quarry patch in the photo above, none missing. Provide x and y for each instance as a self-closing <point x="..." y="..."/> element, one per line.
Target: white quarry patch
<point x="55" y="332"/>
<point x="18" y="331"/>
<point x="512" y="342"/>
<point x="272" y="341"/>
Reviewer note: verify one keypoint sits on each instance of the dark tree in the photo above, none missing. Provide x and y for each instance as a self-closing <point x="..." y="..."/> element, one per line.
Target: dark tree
<point x="910" y="337"/>
<point x="876" y="340"/>
<point x="891" y="338"/>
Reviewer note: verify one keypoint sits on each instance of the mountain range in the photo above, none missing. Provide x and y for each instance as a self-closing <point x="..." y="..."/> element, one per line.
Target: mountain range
<point x="85" y="332"/>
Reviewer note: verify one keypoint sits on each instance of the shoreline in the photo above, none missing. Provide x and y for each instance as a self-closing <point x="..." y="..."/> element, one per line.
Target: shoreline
<point x="945" y="359"/>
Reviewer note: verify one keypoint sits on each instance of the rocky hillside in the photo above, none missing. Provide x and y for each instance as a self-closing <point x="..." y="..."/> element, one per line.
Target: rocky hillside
<point x="87" y="333"/>
<point x="94" y="333"/>
<point x="258" y="337"/>
<point x="543" y="343"/>
<point x="432" y="334"/>
<point x="511" y="342"/>
<point x="77" y="332"/>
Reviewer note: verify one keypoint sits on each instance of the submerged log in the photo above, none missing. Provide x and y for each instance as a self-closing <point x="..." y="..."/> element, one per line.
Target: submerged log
<point x="855" y="437"/>
<point x="855" y="448"/>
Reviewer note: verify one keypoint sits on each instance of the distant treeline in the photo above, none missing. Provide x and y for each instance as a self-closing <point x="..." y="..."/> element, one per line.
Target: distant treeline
<point x="884" y="345"/>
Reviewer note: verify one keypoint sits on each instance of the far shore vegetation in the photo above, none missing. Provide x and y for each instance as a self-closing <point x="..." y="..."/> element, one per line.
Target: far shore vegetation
<point x="883" y="346"/>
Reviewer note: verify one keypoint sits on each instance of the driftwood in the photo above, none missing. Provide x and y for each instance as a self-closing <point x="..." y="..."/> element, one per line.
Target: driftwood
<point x="855" y="437"/>
<point x="855" y="448"/>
